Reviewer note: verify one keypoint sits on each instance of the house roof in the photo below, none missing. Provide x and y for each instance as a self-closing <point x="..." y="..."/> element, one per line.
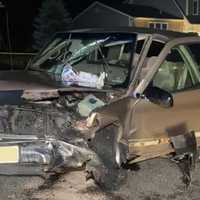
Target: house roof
<point x="133" y="10"/>
<point x="168" y="6"/>
<point x="145" y="11"/>
<point x="97" y="3"/>
<point x="193" y="19"/>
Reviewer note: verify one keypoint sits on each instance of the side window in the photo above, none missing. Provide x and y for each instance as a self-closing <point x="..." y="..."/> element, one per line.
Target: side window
<point x="154" y="50"/>
<point x="194" y="50"/>
<point x="173" y="74"/>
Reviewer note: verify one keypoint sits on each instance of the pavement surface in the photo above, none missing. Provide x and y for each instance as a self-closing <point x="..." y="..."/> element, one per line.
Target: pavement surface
<point x="158" y="179"/>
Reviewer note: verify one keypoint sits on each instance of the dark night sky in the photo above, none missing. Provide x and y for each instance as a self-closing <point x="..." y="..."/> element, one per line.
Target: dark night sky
<point x="22" y="12"/>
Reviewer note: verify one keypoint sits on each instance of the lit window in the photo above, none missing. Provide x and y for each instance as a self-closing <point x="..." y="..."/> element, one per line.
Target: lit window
<point x="160" y="26"/>
<point x="151" y="25"/>
<point x="164" y="26"/>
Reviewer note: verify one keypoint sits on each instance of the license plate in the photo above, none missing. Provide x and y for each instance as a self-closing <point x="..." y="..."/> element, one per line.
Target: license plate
<point x="9" y="154"/>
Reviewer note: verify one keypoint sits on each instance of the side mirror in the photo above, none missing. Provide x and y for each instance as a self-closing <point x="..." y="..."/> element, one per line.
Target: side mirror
<point x="159" y="96"/>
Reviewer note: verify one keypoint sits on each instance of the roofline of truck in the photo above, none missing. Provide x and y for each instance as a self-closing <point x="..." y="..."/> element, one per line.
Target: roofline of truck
<point x="168" y="35"/>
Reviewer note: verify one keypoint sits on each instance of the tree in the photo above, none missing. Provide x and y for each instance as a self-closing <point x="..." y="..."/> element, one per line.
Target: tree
<point x="52" y="17"/>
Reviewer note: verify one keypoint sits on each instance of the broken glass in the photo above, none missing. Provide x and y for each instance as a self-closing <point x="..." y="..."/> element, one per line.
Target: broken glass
<point x="90" y="53"/>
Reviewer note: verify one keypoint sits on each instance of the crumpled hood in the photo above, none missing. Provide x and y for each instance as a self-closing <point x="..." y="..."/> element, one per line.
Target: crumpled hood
<point x="36" y="80"/>
<point x="24" y="80"/>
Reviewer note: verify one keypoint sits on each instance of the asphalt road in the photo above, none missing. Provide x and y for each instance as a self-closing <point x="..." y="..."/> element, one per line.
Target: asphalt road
<point x="157" y="179"/>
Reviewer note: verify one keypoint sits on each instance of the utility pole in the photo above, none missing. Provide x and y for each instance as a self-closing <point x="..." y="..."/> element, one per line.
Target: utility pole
<point x="8" y="33"/>
<point x="1" y="28"/>
<point x="1" y="5"/>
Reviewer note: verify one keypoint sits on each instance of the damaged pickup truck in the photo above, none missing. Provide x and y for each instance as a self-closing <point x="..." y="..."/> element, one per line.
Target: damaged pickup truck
<point x="104" y="98"/>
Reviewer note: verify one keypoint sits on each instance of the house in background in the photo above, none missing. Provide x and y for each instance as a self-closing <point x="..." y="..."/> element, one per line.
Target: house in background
<point x="168" y="6"/>
<point x="175" y="15"/>
<point x="154" y="18"/>
<point x="191" y="9"/>
<point x="188" y="10"/>
<point x="101" y="15"/>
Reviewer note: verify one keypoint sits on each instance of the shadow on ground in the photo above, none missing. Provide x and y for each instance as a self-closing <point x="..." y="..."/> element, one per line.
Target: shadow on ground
<point x="157" y="179"/>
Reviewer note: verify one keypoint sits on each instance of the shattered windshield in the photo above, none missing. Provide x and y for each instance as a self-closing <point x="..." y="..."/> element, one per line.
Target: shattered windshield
<point x="88" y="59"/>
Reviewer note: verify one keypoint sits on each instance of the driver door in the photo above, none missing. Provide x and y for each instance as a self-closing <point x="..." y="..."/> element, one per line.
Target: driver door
<point x="175" y="75"/>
